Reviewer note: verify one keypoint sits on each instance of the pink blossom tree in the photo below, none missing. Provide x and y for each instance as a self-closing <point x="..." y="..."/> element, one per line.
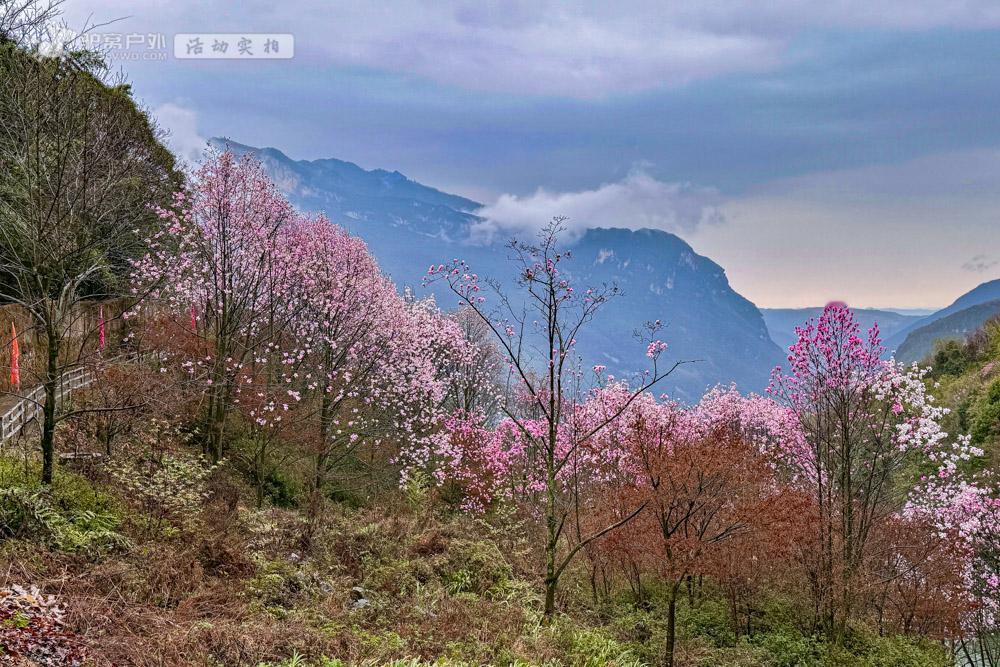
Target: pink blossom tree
<point x="475" y="377"/>
<point x="292" y="323"/>
<point x="772" y="428"/>
<point x="344" y="334"/>
<point x="537" y="333"/>
<point x="218" y="260"/>
<point x="862" y="420"/>
<point x="964" y="506"/>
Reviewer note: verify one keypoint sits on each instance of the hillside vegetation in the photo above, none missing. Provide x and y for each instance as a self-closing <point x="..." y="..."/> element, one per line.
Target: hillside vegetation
<point x="968" y="373"/>
<point x="400" y="579"/>
<point x="334" y="473"/>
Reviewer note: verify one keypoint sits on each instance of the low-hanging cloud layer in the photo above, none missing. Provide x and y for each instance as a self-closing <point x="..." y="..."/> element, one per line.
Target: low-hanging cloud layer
<point x="638" y="201"/>
<point x="909" y="234"/>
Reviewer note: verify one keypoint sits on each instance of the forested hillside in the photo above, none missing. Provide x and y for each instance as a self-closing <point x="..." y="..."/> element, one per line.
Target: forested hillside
<point x="957" y="326"/>
<point x="982" y="294"/>
<point x="967" y="374"/>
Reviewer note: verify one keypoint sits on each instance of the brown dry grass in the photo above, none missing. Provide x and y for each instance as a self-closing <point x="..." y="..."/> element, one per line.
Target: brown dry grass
<point x="196" y="600"/>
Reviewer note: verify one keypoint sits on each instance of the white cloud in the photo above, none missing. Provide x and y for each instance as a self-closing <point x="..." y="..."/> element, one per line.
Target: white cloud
<point x="636" y="202"/>
<point x="545" y="47"/>
<point x="181" y="125"/>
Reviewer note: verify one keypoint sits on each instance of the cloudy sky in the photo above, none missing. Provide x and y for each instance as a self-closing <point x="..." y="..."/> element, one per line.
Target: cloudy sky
<point x="842" y="149"/>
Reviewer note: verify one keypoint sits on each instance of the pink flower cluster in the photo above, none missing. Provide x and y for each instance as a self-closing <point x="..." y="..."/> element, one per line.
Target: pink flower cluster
<point x="294" y="308"/>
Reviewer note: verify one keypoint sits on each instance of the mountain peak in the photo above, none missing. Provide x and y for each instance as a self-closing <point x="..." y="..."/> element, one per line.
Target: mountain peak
<point x="225" y="143"/>
<point x="309" y="183"/>
<point x="409" y="226"/>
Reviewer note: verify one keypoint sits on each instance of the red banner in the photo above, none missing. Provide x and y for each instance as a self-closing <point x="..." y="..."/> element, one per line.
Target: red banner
<point x="15" y="364"/>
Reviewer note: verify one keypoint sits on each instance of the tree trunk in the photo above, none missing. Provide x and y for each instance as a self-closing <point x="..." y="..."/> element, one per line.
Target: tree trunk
<point x="551" y="524"/>
<point x="217" y="416"/>
<point x="219" y="396"/>
<point x="550" y="599"/>
<point x="551" y="579"/>
<point x="325" y="424"/>
<point x="668" y="653"/>
<point x="49" y="408"/>
<point x="320" y="463"/>
<point x="259" y="492"/>
<point x="258" y="473"/>
<point x="48" y="429"/>
<point x="734" y="613"/>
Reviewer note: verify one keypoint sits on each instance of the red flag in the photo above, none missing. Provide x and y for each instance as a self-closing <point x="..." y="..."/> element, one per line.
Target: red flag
<point x="15" y="364"/>
<point x="100" y="329"/>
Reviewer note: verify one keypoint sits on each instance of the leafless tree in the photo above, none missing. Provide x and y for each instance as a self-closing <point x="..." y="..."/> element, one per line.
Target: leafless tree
<point x="536" y="333"/>
<point x="26" y="22"/>
<point x="81" y="165"/>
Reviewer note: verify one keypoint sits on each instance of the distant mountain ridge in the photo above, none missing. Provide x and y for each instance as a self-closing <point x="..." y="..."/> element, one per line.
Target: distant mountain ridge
<point x="915" y="312"/>
<point x="781" y="322"/>
<point x="986" y="292"/>
<point x="409" y="226"/>
<point x="956" y="326"/>
<point x="343" y="189"/>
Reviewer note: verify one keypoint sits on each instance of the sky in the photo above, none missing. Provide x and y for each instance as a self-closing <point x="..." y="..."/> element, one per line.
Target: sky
<point x="837" y="150"/>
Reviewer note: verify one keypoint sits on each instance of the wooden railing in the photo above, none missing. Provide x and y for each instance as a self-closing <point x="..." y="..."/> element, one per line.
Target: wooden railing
<point x="29" y="407"/>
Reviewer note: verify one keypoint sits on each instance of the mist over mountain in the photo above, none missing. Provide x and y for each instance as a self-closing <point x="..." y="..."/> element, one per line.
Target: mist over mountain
<point x="915" y="312"/>
<point x="410" y="226"/>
